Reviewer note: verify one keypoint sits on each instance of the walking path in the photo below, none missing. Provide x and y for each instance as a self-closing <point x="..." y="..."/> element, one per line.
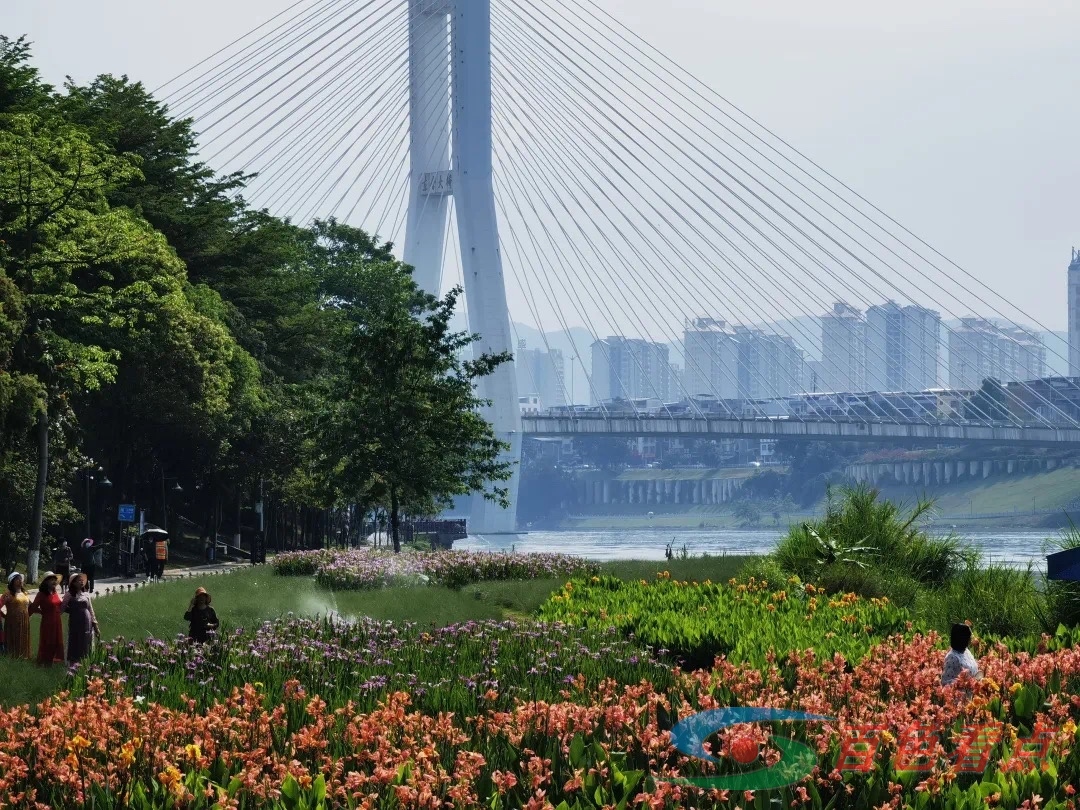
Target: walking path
<point x="118" y="584"/>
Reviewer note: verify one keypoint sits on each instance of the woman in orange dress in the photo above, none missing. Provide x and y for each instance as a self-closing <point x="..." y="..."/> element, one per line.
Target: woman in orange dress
<point x="51" y="640"/>
<point x="16" y="604"/>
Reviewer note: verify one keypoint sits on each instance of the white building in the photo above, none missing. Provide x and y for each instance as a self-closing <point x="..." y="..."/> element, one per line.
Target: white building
<point x="979" y="350"/>
<point x="901" y="347"/>
<point x="711" y="353"/>
<point x="843" y="349"/>
<point x="740" y="363"/>
<point x="541" y="374"/>
<point x="629" y="368"/>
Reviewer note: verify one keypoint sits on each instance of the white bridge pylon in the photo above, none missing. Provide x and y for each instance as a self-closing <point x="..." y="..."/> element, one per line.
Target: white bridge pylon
<point x="450" y="154"/>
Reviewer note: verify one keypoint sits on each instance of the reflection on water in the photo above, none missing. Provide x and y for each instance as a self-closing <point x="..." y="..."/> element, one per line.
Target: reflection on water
<point x="1012" y="547"/>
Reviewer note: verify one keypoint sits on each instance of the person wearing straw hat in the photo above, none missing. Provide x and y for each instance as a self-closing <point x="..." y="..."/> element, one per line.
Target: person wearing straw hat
<point x="51" y="634"/>
<point x="82" y="624"/>
<point x="15" y="604"/>
<point x="201" y="617"/>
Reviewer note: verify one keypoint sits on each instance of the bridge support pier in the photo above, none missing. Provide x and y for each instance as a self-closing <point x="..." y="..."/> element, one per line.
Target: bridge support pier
<point x="450" y="112"/>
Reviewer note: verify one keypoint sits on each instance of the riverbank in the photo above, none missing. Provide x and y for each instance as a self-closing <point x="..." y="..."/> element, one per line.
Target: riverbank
<point x="1012" y="547"/>
<point x="1045" y="521"/>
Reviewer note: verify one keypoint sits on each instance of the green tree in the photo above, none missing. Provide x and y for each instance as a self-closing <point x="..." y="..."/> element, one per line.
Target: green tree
<point x="989" y="402"/>
<point x="401" y="424"/>
<point x="54" y="225"/>
<point x="21" y="88"/>
<point x="748" y="512"/>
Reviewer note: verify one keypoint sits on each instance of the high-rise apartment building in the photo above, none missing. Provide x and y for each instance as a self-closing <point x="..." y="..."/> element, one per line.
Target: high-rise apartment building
<point x="901" y="347"/>
<point x="1022" y="356"/>
<point x="629" y="368"/>
<point x="1074" y="314"/>
<point x="542" y="373"/>
<point x="980" y="349"/>
<point x="711" y="354"/>
<point x="769" y="365"/>
<point x="740" y="363"/>
<point x="843" y="350"/>
<point x="922" y="336"/>
<point x="972" y="353"/>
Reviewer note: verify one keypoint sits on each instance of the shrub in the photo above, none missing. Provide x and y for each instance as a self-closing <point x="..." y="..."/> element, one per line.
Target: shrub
<point x="364" y="569"/>
<point x="873" y="544"/>
<point x="996" y="599"/>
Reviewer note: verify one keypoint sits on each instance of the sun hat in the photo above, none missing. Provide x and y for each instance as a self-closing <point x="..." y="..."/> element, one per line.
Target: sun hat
<point x="202" y="592"/>
<point x="12" y="575"/>
<point x="49" y="575"/>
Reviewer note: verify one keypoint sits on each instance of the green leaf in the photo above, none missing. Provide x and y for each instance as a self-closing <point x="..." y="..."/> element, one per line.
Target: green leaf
<point x="577" y="751"/>
<point x="1026" y="702"/>
<point x="290" y="788"/>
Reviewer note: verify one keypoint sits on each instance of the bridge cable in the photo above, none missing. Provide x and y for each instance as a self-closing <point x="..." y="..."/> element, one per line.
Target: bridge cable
<point x="787" y="220"/>
<point x="646" y="218"/>
<point x="532" y="99"/>
<point x="1023" y="329"/>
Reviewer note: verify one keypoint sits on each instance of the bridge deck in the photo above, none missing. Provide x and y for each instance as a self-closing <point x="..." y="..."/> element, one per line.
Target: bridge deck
<point x="858" y="431"/>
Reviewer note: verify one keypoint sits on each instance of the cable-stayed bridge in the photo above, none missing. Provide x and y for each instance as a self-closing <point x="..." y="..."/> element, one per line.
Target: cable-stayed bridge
<point x="594" y="183"/>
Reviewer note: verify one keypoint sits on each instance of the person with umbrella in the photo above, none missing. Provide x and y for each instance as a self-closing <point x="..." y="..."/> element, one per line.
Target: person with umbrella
<point x="154" y="543"/>
<point x="158" y="548"/>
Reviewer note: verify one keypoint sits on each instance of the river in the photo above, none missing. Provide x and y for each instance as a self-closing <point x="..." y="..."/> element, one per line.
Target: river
<point x="1012" y="547"/>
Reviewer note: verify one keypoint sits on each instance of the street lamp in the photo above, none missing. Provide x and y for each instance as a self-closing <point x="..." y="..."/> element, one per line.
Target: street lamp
<point x="104" y="482"/>
<point x="165" y="499"/>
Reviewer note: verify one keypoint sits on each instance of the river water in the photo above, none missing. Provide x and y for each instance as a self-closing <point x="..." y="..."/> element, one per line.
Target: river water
<point x="1016" y="548"/>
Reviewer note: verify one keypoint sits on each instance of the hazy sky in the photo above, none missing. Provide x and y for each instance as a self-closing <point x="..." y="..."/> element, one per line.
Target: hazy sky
<point x="960" y="118"/>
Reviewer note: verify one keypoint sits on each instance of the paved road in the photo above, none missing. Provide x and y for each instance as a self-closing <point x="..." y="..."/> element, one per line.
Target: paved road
<point x="115" y="584"/>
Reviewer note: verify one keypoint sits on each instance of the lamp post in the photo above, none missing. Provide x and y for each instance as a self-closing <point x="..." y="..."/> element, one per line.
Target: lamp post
<point x="89" y="472"/>
<point x="165" y="499"/>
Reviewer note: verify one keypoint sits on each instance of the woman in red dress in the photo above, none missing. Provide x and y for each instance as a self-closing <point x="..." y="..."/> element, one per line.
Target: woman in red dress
<point x="47" y="603"/>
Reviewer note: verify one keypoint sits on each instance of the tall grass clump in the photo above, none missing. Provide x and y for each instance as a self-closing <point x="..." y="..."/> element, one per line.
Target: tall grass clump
<point x="876" y="548"/>
<point x="998" y="601"/>
<point x="872" y="546"/>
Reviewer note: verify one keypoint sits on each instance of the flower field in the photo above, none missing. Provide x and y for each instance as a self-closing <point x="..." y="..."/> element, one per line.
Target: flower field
<point x="318" y="713"/>
<point x="361" y="569"/>
<point x="461" y="668"/>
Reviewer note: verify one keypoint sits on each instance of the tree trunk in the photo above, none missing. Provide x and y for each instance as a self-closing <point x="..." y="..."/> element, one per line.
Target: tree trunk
<point x="33" y="551"/>
<point x="395" y="520"/>
<point x="239" y="511"/>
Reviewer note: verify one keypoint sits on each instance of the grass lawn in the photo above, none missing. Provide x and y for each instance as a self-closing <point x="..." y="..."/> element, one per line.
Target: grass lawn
<point x="1044" y="491"/>
<point x="250" y="596"/>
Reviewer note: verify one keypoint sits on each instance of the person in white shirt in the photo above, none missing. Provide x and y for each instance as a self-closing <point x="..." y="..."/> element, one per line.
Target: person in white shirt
<point x="959" y="658"/>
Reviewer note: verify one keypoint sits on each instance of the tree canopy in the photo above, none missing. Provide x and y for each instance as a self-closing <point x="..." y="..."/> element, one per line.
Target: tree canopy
<point x="155" y="327"/>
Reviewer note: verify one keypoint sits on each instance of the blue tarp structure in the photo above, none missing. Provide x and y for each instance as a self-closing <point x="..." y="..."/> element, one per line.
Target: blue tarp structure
<point x="1064" y="565"/>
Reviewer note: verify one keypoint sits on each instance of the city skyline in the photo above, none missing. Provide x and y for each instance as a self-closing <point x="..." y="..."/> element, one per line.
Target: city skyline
<point x="887" y="348"/>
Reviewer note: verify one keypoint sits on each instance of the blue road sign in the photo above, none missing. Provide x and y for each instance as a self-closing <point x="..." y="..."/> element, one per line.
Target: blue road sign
<point x="127" y="513"/>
